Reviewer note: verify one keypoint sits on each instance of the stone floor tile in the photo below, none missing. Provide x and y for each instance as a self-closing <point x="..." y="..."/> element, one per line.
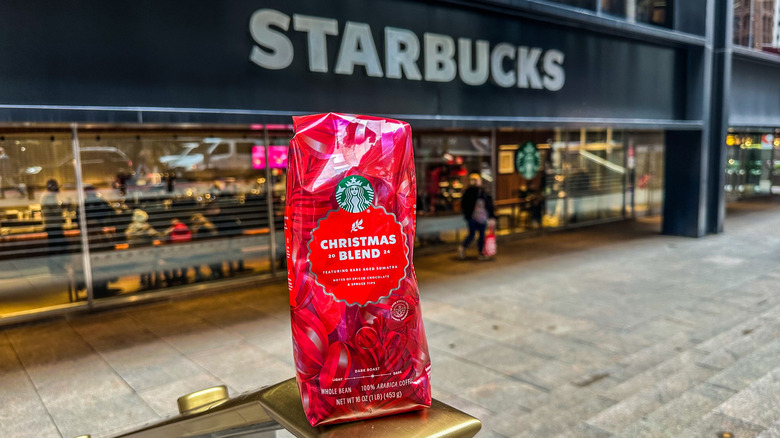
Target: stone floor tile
<point x="244" y="366"/>
<point x="142" y="371"/>
<point x="714" y="424"/>
<point x="658" y="330"/>
<point x="19" y="403"/>
<point x="506" y="359"/>
<point x="630" y="409"/>
<point x="563" y="350"/>
<point x="646" y="359"/>
<point x="47" y="344"/>
<point x="113" y="330"/>
<point x="584" y="430"/>
<point x="98" y="415"/>
<point x="256" y="378"/>
<point x="504" y="393"/>
<point x="36" y="426"/>
<point x="260" y="326"/>
<point x="456" y="375"/>
<point x="232" y="358"/>
<point x="227" y="316"/>
<point x="67" y="379"/>
<point x="749" y="368"/>
<point x="456" y="340"/>
<point x="686" y="359"/>
<point x="279" y="344"/>
<point x="553" y="373"/>
<point x="674" y="417"/>
<point x="163" y="398"/>
<point x="759" y="403"/>
<point x="772" y="431"/>
<point x="202" y="337"/>
<point x="548" y="421"/>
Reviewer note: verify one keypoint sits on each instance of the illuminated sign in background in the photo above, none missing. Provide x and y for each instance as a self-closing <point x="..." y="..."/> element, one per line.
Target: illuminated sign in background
<point x="277" y="156"/>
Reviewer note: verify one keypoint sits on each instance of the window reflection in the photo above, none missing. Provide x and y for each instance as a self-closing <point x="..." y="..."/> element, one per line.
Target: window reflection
<point x="655" y="12"/>
<point x="584" y="4"/>
<point x="161" y="210"/>
<point x="757" y="24"/>
<point x="178" y="210"/>
<point x="40" y="241"/>
<point x="595" y="171"/>
<point x="443" y="164"/>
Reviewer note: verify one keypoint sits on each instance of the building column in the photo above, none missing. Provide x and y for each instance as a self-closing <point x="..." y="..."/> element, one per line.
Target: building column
<point x="719" y="116"/>
<point x="685" y="184"/>
<point x="695" y="161"/>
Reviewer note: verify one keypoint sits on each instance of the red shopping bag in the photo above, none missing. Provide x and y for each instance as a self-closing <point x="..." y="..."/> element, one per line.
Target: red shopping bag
<point x="490" y="242"/>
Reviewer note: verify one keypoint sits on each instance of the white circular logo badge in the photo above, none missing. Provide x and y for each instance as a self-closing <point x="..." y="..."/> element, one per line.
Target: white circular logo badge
<point x="399" y="310"/>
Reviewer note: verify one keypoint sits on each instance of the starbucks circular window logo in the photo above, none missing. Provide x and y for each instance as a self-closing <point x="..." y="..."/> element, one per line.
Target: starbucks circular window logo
<point x="399" y="310"/>
<point x="354" y="194"/>
<point x="528" y="160"/>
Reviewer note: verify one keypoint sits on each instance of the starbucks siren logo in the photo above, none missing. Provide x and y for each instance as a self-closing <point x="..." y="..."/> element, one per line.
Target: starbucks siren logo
<point x="354" y="194"/>
<point x="528" y="160"/>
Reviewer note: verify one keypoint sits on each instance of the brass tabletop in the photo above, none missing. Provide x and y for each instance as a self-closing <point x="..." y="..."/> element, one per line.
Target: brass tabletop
<point x="279" y="405"/>
<point x="283" y="403"/>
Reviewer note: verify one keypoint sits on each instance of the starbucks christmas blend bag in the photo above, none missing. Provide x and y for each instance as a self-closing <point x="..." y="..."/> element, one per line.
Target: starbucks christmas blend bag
<point x="358" y="338"/>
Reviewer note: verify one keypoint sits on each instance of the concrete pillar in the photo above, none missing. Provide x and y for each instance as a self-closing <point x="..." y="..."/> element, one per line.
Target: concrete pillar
<point x="685" y="184"/>
<point x="695" y="161"/>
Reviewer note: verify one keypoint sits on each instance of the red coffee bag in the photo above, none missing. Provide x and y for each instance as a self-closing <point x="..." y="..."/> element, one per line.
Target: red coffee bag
<point x="358" y="337"/>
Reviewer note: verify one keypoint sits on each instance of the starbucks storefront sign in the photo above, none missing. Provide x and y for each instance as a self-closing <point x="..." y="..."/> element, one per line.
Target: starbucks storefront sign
<point x="443" y="57"/>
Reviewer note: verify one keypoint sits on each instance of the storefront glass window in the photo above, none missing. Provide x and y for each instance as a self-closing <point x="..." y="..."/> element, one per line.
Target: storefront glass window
<point x="646" y="173"/>
<point x="584" y="4"/>
<point x="652" y="11"/>
<point x="655" y="12"/>
<point x="751" y="165"/>
<point x="555" y="187"/>
<point x="595" y="173"/>
<point x="443" y="164"/>
<point x="40" y="243"/>
<point x="165" y="210"/>
<point x="757" y="25"/>
<point x="614" y="7"/>
<point x="523" y="180"/>
<point x="776" y="164"/>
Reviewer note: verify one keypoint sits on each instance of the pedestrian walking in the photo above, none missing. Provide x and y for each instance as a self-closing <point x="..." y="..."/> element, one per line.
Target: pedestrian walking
<point x="477" y="207"/>
<point x="139" y="234"/>
<point x="53" y="225"/>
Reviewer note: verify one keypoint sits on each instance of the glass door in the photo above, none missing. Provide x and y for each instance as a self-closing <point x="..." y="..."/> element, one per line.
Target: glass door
<point x="648" y="175"/>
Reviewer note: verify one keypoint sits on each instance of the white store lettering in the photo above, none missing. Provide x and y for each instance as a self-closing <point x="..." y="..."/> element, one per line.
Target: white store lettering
<point x="443" y="59"/>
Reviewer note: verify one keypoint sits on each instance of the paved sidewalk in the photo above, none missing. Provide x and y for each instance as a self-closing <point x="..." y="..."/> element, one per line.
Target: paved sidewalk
<point x="600" y="332"/>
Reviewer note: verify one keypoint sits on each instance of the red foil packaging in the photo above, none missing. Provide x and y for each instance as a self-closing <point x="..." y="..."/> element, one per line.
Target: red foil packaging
<point x="358" y="338"/>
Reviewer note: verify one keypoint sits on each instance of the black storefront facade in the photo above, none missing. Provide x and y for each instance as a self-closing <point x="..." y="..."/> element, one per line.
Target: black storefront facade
<point x="156" y="118"/>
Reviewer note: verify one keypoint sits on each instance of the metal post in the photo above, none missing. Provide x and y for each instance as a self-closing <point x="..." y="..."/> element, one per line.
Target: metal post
<point x="566" y="183"/>
<point x="625" y="172"/>
<point x="750" y="24"/>
<point x="269" y="195"/>
<point x="86" y="259"/>
<point x="631" y="11"/>
<point x="493" y="163"/>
